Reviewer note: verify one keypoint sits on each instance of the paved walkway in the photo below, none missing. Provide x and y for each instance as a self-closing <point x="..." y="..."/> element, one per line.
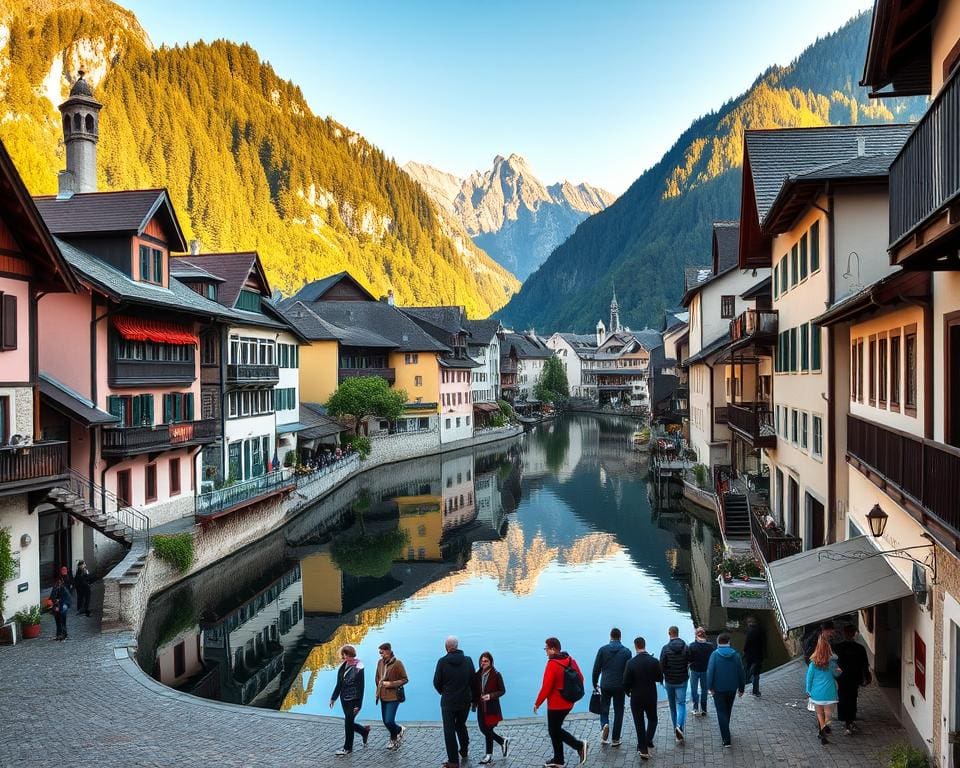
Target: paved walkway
<point x="85" y="703"/>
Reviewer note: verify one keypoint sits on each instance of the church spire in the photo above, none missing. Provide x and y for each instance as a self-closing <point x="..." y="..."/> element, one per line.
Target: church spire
<point x="614" y="312"/>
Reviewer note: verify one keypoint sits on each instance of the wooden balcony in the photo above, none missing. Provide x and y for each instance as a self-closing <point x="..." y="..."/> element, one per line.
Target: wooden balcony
<point x="247" y="374"/>
<point x="136" y="373"/>
<point x="754" y="422"/>
<point x="720" y="415"/>
<point x="757" y="325"/>
<point x="771" y="543"/>
<point x="33" y="466"/>
<point x="925" y="187"/>
<point x="390" y="374"/>
<point x="915" y="472"/>
<point x="508" y="366"/>
<point x="130" y="441"/>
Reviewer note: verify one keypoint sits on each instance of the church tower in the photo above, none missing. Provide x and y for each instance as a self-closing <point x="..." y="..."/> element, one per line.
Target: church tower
<point x="81" y="130"/>
<point x="601" y="333"/>
<point x="614" y="313"/>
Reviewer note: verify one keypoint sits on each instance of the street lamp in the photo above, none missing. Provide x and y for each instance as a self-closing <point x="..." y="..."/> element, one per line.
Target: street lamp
<point x="877" y="519"/>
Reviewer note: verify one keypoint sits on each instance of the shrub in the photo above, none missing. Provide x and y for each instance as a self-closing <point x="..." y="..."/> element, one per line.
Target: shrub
<point x="903" y="755"/>
<point x="700" y="473"/>
<point x="288" y="460"/>
<point x="360" y="444"/>
<point x="506" y="409"/>
<point x="29" y="616"/>
<point x="7" y="569"/>
<point x="176" y="549"/>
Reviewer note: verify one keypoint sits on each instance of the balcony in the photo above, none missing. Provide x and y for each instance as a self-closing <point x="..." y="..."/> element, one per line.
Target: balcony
<point x="33" y="466"/>
<point x="244" y="374"/>
<point x="130" y="441"/>
<point x="508" y="366"/>
<point x="757" y="325"/>
<point x="136" y="373"/>
<point x="239" y="495"/>
<point x="771" y="543"/>
<point x="753" y="421"/>
<point x="390" y="374"/>
<point x="720" y="415"/>
<point x="924" y="472"/>
<point x="925" y="187"/>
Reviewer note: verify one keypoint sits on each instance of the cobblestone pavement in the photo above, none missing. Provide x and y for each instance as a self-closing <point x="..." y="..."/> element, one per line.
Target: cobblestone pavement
<point x="84" y="702"/>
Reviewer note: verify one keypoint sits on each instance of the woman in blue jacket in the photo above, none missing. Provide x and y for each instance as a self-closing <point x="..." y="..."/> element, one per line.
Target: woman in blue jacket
<point x="822" y="674"/>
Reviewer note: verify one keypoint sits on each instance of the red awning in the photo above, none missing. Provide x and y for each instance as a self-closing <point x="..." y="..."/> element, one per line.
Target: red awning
<point x="138" y="329"/>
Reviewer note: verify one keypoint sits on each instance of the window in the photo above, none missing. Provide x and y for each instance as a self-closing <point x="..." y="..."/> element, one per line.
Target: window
<point x="793" y="350"/>
<point x="177" y="407"/>
<point x="411" y="358"/>
<point x="895" y="371"/>
<point x="418" y="381"/>
<point x="776" y="280"/>
<point x="814" y="246"/>
<point x="794" y="422"/>
<point x="805" y="347"/>
<point x="131" y="410"/>
<point x="794" y="265"/>
<point x="882" y="372"/>
<point x="854" y="371"/>
<point x="817" y="447"/>
<point x="124" y="496"/>
<point x="468" y="421"/>
<point x="458" y="422"/>
<point x="150" y="482"/>
<point x="803" y="257"/>
<point x="727" y="306"/>
<point x="910" y="375"/>
<point x="124" y="349"/>
<point x="446" y="423"/>
<point x="815" y="349"/>
<point x="174" y="477"/>
<point x="248" y="300"/>
<point x="250" y="403"/>
<point x="860" y="370"/>
<point x="804" y="422"/>
<point x="209" y="349"/>
<point x="151" y="265"/>
<point x="783" y="275"/>
<point x="8" y="322"/>
<point x="872" y="371"/>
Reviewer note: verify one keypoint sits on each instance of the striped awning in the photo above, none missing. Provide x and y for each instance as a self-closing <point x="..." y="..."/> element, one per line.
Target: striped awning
<point x="139" y="329"/>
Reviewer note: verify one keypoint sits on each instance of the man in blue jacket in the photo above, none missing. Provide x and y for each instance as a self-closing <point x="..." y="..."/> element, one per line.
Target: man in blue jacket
<point x="608" y="669"/>
<point x="725" y="681"/>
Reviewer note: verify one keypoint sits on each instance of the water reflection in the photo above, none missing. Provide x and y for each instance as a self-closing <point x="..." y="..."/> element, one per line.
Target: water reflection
<point x="551" y="534"/>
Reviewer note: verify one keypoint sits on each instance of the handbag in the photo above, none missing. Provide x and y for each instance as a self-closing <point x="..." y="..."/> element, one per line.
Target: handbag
<point x="595" y="699"/>
<point x="401" y="696"/>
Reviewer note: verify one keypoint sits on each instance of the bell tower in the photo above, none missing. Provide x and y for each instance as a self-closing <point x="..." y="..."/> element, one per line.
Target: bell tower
<point x="614" y="313"/>
<point x="81" y="131"/>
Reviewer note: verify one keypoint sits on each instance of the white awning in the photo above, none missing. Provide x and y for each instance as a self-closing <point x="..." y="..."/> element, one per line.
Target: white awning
<point x="832" y="580"/>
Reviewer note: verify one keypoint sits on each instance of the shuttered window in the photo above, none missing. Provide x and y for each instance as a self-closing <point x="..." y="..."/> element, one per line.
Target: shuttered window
<point x="177" y="407"/>
<point x="8" y="321"/>
<point x="815" y="246"/>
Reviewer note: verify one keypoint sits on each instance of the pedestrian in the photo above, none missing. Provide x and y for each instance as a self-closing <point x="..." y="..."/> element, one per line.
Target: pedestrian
<point x="453" y="680"/>
<point x="725" y="680"/>
<point x="608" y="670"/>
<point x="349" y="690"/>
<point x="822" y="673"/>
<point x="60" y="605"/>
<point x="675" y="663"/>
<point x="640" y="678"/>
<point x="488" y="687"/>
<point x="700" y="651"/>
<point x="852" y="659"/>
<point x="810" y="640"/>
<point x="559" y="690"/>
<point x="82" y="580"/>
<point x="389" y="679"/>
<point x="754" y="651"/>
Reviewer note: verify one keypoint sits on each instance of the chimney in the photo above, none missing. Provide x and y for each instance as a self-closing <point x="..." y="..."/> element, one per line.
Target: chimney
<point x="194" y="247"/>
<point x="390" y="300"/>
<point x="66" y="185"/>
<point x="81" y="131"/>
<point x="861" y="146"/>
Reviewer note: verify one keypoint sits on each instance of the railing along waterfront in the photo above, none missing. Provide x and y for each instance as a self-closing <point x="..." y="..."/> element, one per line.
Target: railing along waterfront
<point x="238" y="494"/>
<point x="33" y="461"/>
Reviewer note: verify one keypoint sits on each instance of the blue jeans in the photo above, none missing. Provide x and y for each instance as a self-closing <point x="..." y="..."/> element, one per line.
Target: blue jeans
<point x="723" y="701"/>
<point x="677" y="698"/>
<point x="698" y="680"/>
<point x="753" y="673"/>
<point x="388" y="711"/>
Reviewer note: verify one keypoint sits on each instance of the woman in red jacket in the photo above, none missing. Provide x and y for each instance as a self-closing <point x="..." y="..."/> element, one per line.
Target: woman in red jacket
<point x="488" y="687"/>
<point x="558" y="707"/>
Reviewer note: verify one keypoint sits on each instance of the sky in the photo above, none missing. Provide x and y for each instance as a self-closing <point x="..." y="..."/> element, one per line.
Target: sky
<point x="590" y="91"/>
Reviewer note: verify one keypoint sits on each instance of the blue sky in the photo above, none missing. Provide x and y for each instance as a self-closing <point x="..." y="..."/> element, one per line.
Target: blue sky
<point x="588" y="91"/>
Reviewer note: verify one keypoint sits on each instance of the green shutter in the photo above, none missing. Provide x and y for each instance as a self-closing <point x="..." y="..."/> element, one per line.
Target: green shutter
<point x="815" y="246"/>
<point x="189" y="406"/>
<point x="814" y="347"/>
<point x="115" y="406"/>
<point x="794" y="271"/>
<point x="137" y="411"/>
<point x="167" y="408"/>
<point x="803" y="256"/>
<point x="805" y="347"/>
<point x="148" y="401"/>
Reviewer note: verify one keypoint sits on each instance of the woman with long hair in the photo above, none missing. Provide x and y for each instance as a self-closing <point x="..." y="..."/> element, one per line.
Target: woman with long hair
<point x="349" y="690"/>
<point x="822" y="674"/>
<point x="488" y="687"/>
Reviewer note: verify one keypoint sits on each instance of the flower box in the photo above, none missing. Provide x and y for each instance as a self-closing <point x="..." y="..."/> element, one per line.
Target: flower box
<point x="752" y="594"/>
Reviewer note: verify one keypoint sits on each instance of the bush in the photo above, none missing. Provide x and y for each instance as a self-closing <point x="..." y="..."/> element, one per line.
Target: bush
<point x="176" y="549"/>
<point x="29" y="616"/>
<point x="903" y="755"/>
<point x="6" y="564"/>
<point x="360" y="444"/>
<point x="506" y="409"/>
<point x="288" y="460"/>
<point x="700" y="473"/>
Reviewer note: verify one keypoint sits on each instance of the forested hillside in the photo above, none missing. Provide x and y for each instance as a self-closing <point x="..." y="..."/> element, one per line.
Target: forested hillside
<point x="246" y="162"/>
<point x="662" y="223"/>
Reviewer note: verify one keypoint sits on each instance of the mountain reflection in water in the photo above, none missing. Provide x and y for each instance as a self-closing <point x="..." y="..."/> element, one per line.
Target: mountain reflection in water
<point x="550" y="534"/>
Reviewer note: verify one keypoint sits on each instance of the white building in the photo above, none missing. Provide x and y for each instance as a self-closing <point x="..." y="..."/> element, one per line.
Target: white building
<point x="576" y="351"/>
<point x="526" y="354"/>
<point x="483" y="346"/>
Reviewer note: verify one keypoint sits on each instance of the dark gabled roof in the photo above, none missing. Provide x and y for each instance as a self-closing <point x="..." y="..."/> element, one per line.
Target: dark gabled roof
<point x="368" y="321"/>
<point x="868" y="166"/>
<point x="315" y="328"/>
<point x="899" y="49"/>
<point x="314" y="291"/>
<point x="580" y="341"/>
<point x="101" y="213"/>
<point x="115" y="284"/>
<point x="233" y="269"/>
<point x="183" y="270"/>
<point x="650" y="338"/>
<point x="526" y="347"/>
<point x="718" y="345"/>
<point x="693" y="279"/>
<point x="316" y="422"/>
<point x="763" y="288"/>
<point x="726" y="246"/>
<point x="482" y="331"/>
<point x="675" y="317"/>
<point x="450" y="320"/>
<point x="72" y="403"/>
<point x="458" y="362"/>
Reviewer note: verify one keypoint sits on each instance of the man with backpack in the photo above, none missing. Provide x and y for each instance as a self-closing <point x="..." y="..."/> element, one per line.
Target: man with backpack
<point x="675" y="662"/>
<point x="562" y="688"/>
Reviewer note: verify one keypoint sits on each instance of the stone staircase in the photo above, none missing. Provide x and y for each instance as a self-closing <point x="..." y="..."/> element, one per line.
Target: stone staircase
<point x="736" y="516"/>
<point x="84" y="500"/>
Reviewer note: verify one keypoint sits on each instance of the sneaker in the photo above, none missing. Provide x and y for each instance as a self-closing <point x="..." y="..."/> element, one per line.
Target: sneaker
<point x="847" y="732"/>
<point x="696" y="711"/>
<point x="615" y="743"/>
<point x="399" y="739"/>
<point x="366" y="735"/>
<point x="583" y="752"/>
<point x="392" y="744"/>
<point x="679" y="732"/>
<point x="505" y="746"/>
<point x="342" y="752"/>
<point x="644" y="755"/>
<point x="726" y="745"/>
<point x="486" y="759"/>
<point x="554" y="765"/>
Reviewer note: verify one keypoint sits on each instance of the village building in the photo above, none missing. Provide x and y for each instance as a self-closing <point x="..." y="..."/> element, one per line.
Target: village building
<point x="576" y="351"/>
<point x="483" y="345"/>
<point x="522" y="357"/>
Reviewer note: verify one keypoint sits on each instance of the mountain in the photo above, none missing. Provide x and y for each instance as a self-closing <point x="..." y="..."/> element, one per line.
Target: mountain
<point x="247" y="164"/>
<point x="509" y="212"/>
<point x="662" y="223"/>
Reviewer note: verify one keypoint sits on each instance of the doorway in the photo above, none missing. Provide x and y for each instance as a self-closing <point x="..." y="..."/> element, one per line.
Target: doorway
<point x="951" y="387"/>
<point x="887" y="627"/>
<point x="55" y="545"/>
<point x="817" y="523"/>
<point x="793" y="507"/>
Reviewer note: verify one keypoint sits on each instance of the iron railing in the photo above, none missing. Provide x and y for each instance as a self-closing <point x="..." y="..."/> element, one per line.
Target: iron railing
<point x="771" y="543"/>
<point x="239" y="494"/>
<point x="107" y="503"/>
<point x="33" y="461"/>
<point x="120" y="441"/>
<point x="244" y="373"/>
<point x="754" y="420"/>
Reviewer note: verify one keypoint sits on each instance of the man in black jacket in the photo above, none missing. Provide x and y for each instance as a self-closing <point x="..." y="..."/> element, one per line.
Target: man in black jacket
<point x="754" y="651"/>
<point x="640" y="678"/>
<point x="608" y="670"/>
<point x="675" y="662"/>
<point x="854" y="672"/>
<point x="453" y="680"/>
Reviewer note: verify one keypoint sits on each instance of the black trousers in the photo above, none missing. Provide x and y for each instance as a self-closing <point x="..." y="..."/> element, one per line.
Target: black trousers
<point x="559" y="736"/>
<point x="61" y="618"/>
<point x="489" y="735"/>
<point x="847" y="702"/>
<point x="617" y="696"/>
<point x="350" y="726"/>
<point x="644" y="711"/>
<point x="83" y="600"/>
<point x="455" y="730"/>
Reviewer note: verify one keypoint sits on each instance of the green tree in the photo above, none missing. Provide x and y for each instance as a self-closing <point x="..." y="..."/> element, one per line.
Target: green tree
<point x="366" y="553"/>
<point x="365" y="396"/>
<point x="552" y="385"/>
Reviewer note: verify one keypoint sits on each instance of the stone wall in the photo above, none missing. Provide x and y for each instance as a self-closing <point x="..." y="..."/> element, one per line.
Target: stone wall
<point x="948" y="581"/>
<point x="389" y="448"/>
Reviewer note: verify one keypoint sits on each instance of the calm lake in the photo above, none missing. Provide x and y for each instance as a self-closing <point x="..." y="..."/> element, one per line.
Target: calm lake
<point x="552" y="533"/>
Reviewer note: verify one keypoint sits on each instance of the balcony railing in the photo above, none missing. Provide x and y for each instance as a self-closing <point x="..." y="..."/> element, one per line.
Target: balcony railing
<point x="720" y="415"/>
<point x="125" y="441"/>
<point x="754" y="421"/>
<point x="771" y="543"/>
<point x="244" y="373"/>
<point x="238" y="495"/>
<point x="926" y="471"/>
<point x="389" y="374"/>
<point x="131" y="373"/>
<point x="925" y="176"/>
<point x="758" y="324"/>
<point x="36" y="461"/>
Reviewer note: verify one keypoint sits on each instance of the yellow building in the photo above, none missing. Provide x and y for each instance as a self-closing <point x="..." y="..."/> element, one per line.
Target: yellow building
<point x="421" y="519"/>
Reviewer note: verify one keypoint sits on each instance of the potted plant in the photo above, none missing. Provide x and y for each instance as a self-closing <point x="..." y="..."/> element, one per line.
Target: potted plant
<point x="29" y="620"/>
